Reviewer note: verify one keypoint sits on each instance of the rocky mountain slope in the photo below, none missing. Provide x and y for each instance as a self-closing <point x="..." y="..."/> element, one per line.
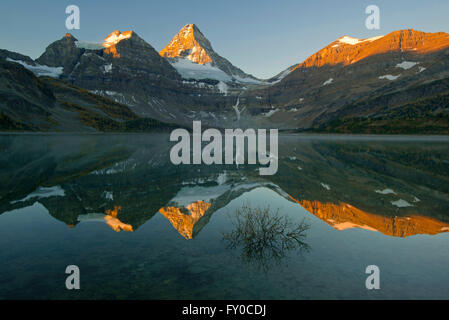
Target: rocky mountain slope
<point x="127" y="69"/>
<point x="349" y="71"/>
<point x="384" y="84"/>
<point x="31" y="103"/>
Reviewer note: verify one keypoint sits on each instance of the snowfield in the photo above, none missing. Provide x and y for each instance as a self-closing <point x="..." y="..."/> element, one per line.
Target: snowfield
<point x="190" y="70"/>
<point x="327" y="82"/>
<point x="222" y="87"/>
<point x="406" y="65"/>
<point x="390" y="77"/>
<point x="353" y="41"/>
<point x="271" y="112"/>
<point x="40" y="70"/>
<point x="107" y="68"/>
<point x="89" y="45"/>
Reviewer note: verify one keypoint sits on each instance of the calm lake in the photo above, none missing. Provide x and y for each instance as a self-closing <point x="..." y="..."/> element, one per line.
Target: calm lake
<point x="139" y="227"/>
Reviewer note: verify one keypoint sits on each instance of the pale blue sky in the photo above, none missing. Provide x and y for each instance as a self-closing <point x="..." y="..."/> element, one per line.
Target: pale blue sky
<point x="262" y="37"/>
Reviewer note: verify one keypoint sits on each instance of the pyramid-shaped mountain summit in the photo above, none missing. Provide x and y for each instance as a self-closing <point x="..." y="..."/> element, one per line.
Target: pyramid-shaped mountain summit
<point x="191" y="53"/>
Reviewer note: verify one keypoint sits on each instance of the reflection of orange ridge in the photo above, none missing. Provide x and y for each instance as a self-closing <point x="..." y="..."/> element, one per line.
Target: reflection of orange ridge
<point x="344" y="216"/>
<point x="114" y="223"/>
<point x="185" y="223"/>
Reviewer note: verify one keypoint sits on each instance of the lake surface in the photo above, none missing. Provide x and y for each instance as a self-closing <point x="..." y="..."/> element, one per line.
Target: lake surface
<point x="139" y="227"/>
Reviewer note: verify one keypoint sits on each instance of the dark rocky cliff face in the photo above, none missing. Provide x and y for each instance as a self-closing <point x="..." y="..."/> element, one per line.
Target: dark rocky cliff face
<point x="128" y="70"/>
<point x="25" y="101"/>
<point x="62" y="53"/>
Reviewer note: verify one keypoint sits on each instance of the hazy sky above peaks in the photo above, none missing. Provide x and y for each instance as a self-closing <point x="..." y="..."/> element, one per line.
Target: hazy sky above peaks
<point x="262" y="37"/>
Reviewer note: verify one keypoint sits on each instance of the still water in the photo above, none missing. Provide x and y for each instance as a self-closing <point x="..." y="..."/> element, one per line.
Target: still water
<point x="139" y="227"/>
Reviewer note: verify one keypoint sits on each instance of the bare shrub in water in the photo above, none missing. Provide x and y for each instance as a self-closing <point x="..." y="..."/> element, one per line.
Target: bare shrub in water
<point x="265" y="236"/>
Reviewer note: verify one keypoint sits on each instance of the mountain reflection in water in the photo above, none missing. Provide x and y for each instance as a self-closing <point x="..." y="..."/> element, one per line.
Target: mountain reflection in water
<point x="142" y="228"/>
<point x="75" y="178"/>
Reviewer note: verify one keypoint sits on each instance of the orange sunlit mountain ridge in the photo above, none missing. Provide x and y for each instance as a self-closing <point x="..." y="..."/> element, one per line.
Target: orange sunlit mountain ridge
<point x="191" y="53"/>
<point x="189" y="43"/>
<point x="333" y="90"/>
<point x="347" y="50"/>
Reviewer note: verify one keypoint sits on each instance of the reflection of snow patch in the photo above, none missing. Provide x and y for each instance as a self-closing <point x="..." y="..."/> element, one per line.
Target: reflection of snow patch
<point x="349" y="225"/>
<point x="325" y="186"/>
<point x="107" y="68"/>
<point x="44" y="192"/>
<point x="108" y="195"/>
<point x="188" y="195"/>
<point x="401" y="203"/>
<point x="385" y="191"/>
<point x="222" y="177"/>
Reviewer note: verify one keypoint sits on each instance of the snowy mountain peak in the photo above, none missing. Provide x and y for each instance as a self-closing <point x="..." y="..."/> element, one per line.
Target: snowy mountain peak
<point x="115" y="37"/>
<point x="191" y="44"/>
<point x="191" y="53"/>
<point x="348" y="50"/>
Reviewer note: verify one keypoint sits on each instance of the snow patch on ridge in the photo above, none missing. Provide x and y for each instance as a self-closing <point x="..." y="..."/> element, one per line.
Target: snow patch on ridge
<point x="44" y="192"/>
<point x="406" y="65"/>
<point x="327" y="82"/>
<point x="40" y="70"/>
<point x="271" y="112"/>
<point x="116" y="37"/>
<point x="390" y="77"/>
<point x="222" y="87"/>
<point x="89" y="45"/>
<point x="190" y="70"/>
<point x="353" y="41"/>
<point x="246" y="80"/>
